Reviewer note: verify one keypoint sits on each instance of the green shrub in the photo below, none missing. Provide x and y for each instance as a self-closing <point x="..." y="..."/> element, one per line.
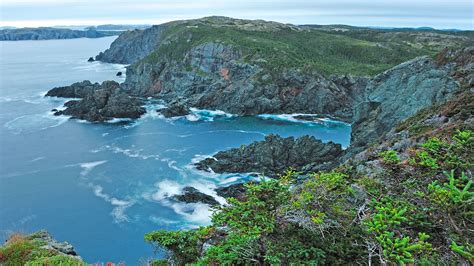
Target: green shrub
<point x="424" y="159"/>
<point x="390" y="157"/>
<point x="22" y="250"/>
<point x="183" y="244"/>
<point x="465" y="251"/>
<point x="386" y="224"/>
<point x="58" y="260"/>
<point x="454" y="195"/>
<point x="434" y="145"/>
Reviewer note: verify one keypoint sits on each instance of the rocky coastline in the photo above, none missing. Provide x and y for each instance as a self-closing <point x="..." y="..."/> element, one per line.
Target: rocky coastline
<point x="212" y="75"/>
<point x="46" y="33"/>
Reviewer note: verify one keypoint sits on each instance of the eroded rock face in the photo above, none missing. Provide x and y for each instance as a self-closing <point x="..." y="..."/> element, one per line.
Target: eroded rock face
<point x="274" y="155"/>
<point x="213" y="76"/>
<point x="100" y="102"/>
<point x="397" y="94"/>
<point x="132" y="46"/>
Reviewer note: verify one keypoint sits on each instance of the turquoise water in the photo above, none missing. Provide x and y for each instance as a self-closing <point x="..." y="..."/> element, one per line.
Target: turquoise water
<point x="102" y="186"/>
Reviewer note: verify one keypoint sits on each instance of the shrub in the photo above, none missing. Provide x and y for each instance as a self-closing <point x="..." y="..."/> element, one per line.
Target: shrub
<point x="454" y="195"/>
<point x="465" y="251"/>
<point x="424" y="159"/>
<point x="386" y="224"/>
<point x="390" y="157"/>
<point x="58" y="260"/>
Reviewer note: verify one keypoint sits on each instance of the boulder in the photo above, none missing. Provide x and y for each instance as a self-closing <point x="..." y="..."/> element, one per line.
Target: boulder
<point x="91" y="59"/>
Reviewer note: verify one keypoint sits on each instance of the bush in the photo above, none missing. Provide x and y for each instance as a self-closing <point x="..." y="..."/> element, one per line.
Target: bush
<point x="390" y="157"/>
<point x="454" y="195"/>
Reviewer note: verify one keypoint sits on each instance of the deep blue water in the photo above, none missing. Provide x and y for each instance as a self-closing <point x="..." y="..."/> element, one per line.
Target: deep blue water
<point x="102" y="186"/>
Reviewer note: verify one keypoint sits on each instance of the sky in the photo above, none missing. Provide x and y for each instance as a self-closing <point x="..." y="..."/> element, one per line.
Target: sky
<point x="380" y="13"/>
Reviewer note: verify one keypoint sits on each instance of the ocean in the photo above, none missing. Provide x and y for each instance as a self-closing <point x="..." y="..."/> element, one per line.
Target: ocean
<point x="101" y="187"/>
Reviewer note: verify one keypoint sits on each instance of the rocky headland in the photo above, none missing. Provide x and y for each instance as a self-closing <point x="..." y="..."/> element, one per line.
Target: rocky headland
<point x="46" y="33"/>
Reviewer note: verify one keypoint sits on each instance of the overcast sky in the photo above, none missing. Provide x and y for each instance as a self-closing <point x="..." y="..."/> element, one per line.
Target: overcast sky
<point x="391" y="13"/>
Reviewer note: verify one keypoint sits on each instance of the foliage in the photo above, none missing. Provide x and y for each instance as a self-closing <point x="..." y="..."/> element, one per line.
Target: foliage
<point x="454" y="195"/>
<point x="286" y="47"/>
<point x="465" y="251"/>
<point x="423" y="158"/>
<point x="21" y="250"/>
<point x="58" y="260"/>
<point x="328" y="217"/>
<point x="183" y="244"/>
<point x="390" y="157"/>
<point x="386" y="224"/>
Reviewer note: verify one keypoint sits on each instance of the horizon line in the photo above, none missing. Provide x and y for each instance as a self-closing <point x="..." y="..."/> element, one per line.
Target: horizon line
<point x="95" y="23"/>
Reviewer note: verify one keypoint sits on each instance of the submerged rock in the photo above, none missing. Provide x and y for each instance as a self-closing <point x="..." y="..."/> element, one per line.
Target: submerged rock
<point x="175" y="108"/>
<point x="274" y="155"/>
<point x="119" y="74"/>
<point x="192" y="195"/>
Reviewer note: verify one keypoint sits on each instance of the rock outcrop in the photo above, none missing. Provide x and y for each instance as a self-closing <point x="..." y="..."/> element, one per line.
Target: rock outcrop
<point x="46" y="33"/>
<point x="132" y="46"/>
<point x="397" y="94"/>
<point x="175" y="108"/>
<point x="192" y="195"/>
<point x="274" y="155"/>
<point x="100" y="102"/>
<point x="236" y="191"/>
<point x="217" y="79"/>
<point x="76" y="90"/>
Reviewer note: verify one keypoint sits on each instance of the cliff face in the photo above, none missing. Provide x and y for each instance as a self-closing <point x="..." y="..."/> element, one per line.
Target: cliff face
<point x="132" y="46"/>
<point x="252" y="67"/>
<point x="397" y="94"/>
<point x="212" y="76"/>
<point x="50" y="33"/>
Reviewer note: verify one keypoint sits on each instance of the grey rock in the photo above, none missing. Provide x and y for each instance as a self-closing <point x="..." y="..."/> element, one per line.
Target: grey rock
<point x="192" y="195"/>
<point x="273" y="156"/>
<point x="132" y="46"/>
<point x="76" y="90"/>
<point x="175" y="108"/>
<point x="397" y="94"/>
<point x="236" y="191"/>
<point x="62" y="247"/>
<point x="100" y="102"/>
